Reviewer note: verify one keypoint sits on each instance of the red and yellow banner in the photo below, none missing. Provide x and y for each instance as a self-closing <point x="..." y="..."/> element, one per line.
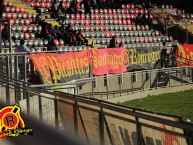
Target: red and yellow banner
<point x="60" y="68"/>
<point x="184" y="53"/>
<point x="109" y="61"/>
<point x="57" y="68"/>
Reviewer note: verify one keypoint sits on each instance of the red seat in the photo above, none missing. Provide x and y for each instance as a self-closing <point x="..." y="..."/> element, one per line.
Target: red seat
<point x="87" y="22"/>
<point x="109" y="11"/>
<point x="102" y="27"/>
<point x="102" y="22"/>
<point x="56" y="42"/>
<point x="105" y="11"/>
<point x="82" y="16"/>
<point x="73" y="16"/>
<point x="123" y="6"/>
<point x="17" y="10"/>
<point x="124" y="22"/>
<point x="7" y="10"/>
<point x="24" y="15"/>
<point x="82" y="22"/>
<point x="128" y="6"/>
<point x="130" y="27"/>
<point x="92" y="16"/>
<point x="24" y="28"/>
<point x="78" y="16"/>
<point x="9" y="4"/>
<point x="21" y="10"/>
<point x="87" y="28"/>
<point x="43" y="5"/>
<point x="14" y="16"/>
<point x="120" y="22"/>
<point x="8" y="15"/>
<point x="27" y="21"/>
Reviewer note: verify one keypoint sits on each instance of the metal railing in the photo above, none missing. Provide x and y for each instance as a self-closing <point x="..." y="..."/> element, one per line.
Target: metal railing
<point x="104" y="87"/>
<point x="98" y="122"/>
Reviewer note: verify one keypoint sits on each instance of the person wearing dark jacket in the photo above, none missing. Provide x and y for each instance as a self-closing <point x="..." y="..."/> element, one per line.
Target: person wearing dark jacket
<point x="112" y="43"/>
<point x="86" y="6"/>
<point x="2" y="8"/>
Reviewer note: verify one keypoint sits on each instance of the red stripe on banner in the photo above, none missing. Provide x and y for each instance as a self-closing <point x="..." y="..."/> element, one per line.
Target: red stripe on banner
<point x="109" y="61"/>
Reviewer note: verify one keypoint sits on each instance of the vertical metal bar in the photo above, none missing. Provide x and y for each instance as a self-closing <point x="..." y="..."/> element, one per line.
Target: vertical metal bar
<point x="132" y="83"/>
<point x="81" y="119"/>
<point x="10" y="47"/>
<point x="0" y="38"/>
<point x="40" y="107"/>
<point x="169" y="77"/>
<point x="139" y="134"/>
<point x="24" y="68"/>
<point x="25" y="90"/>
<point x="10" y="39"/>
<point x="157" y="78"/>
<point x="16" y="82"/>
<point x="120" y="82"/>
<point x="150" y="77"/>
<point x="107" y="88"/>
<point x="75" y="113"/>
<point x="8" y="81"/>
<point x="192" y="74"/>
<point x="101" y="128"/>
<point x="92" y="87"/>
<point x="56" y="113"/>
<point x="107" y="127"/>
<point x="181" y="75"/>
<point x="143" y="82"/>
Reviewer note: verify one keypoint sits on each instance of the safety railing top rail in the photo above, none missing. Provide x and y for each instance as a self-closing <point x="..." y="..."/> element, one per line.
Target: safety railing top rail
<point x="108" y="75"/>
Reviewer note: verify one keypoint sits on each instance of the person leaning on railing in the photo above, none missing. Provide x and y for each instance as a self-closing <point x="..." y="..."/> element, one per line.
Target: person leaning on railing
<point x="22" y="48"/>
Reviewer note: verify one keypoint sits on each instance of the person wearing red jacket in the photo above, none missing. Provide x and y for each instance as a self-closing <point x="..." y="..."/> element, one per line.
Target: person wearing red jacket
<point x="80" y="38"/>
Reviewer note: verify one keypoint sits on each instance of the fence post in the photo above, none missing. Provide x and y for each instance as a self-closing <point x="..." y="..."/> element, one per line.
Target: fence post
<point x="75" y="113"/>
<point x="142" y="89"/>
<point x="56" y="113"/>
<point x="120" y="79"/>
<point x="0" y="38"/>
<point x="26" y="95"/>
<point x="169" y="76"/>
<point x="8" y="81"/>
<point x="40" y="107"/>
<point x="181" y="75"/>
<point x="93" y="87"/>
<point x="107" y="88"/>
<point x="101" y="127"/>
<point x="132" y="83"/>
<point x="139" y="134"/>
<point x="24" y="68"/>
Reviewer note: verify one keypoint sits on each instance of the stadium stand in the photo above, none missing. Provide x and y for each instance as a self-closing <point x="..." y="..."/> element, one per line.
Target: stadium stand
<point x="130" y="23"/>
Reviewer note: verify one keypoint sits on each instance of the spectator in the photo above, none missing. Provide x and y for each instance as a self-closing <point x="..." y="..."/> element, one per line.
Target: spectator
<point x="86" y="6"/>
<point x="138" y="20"/>
<point x="68" y="30"/>
<point x="81" y="39"/>
<point x="73" y="38"/>
<point x="112" y="43"/>
<point x="39" y="18"/>
<point x="72" y="8"/>
<point x="22" y="48"/>
<point x="2" y="8"/>
<point x="5" y="32"/>
<point x="63" y="35"/>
